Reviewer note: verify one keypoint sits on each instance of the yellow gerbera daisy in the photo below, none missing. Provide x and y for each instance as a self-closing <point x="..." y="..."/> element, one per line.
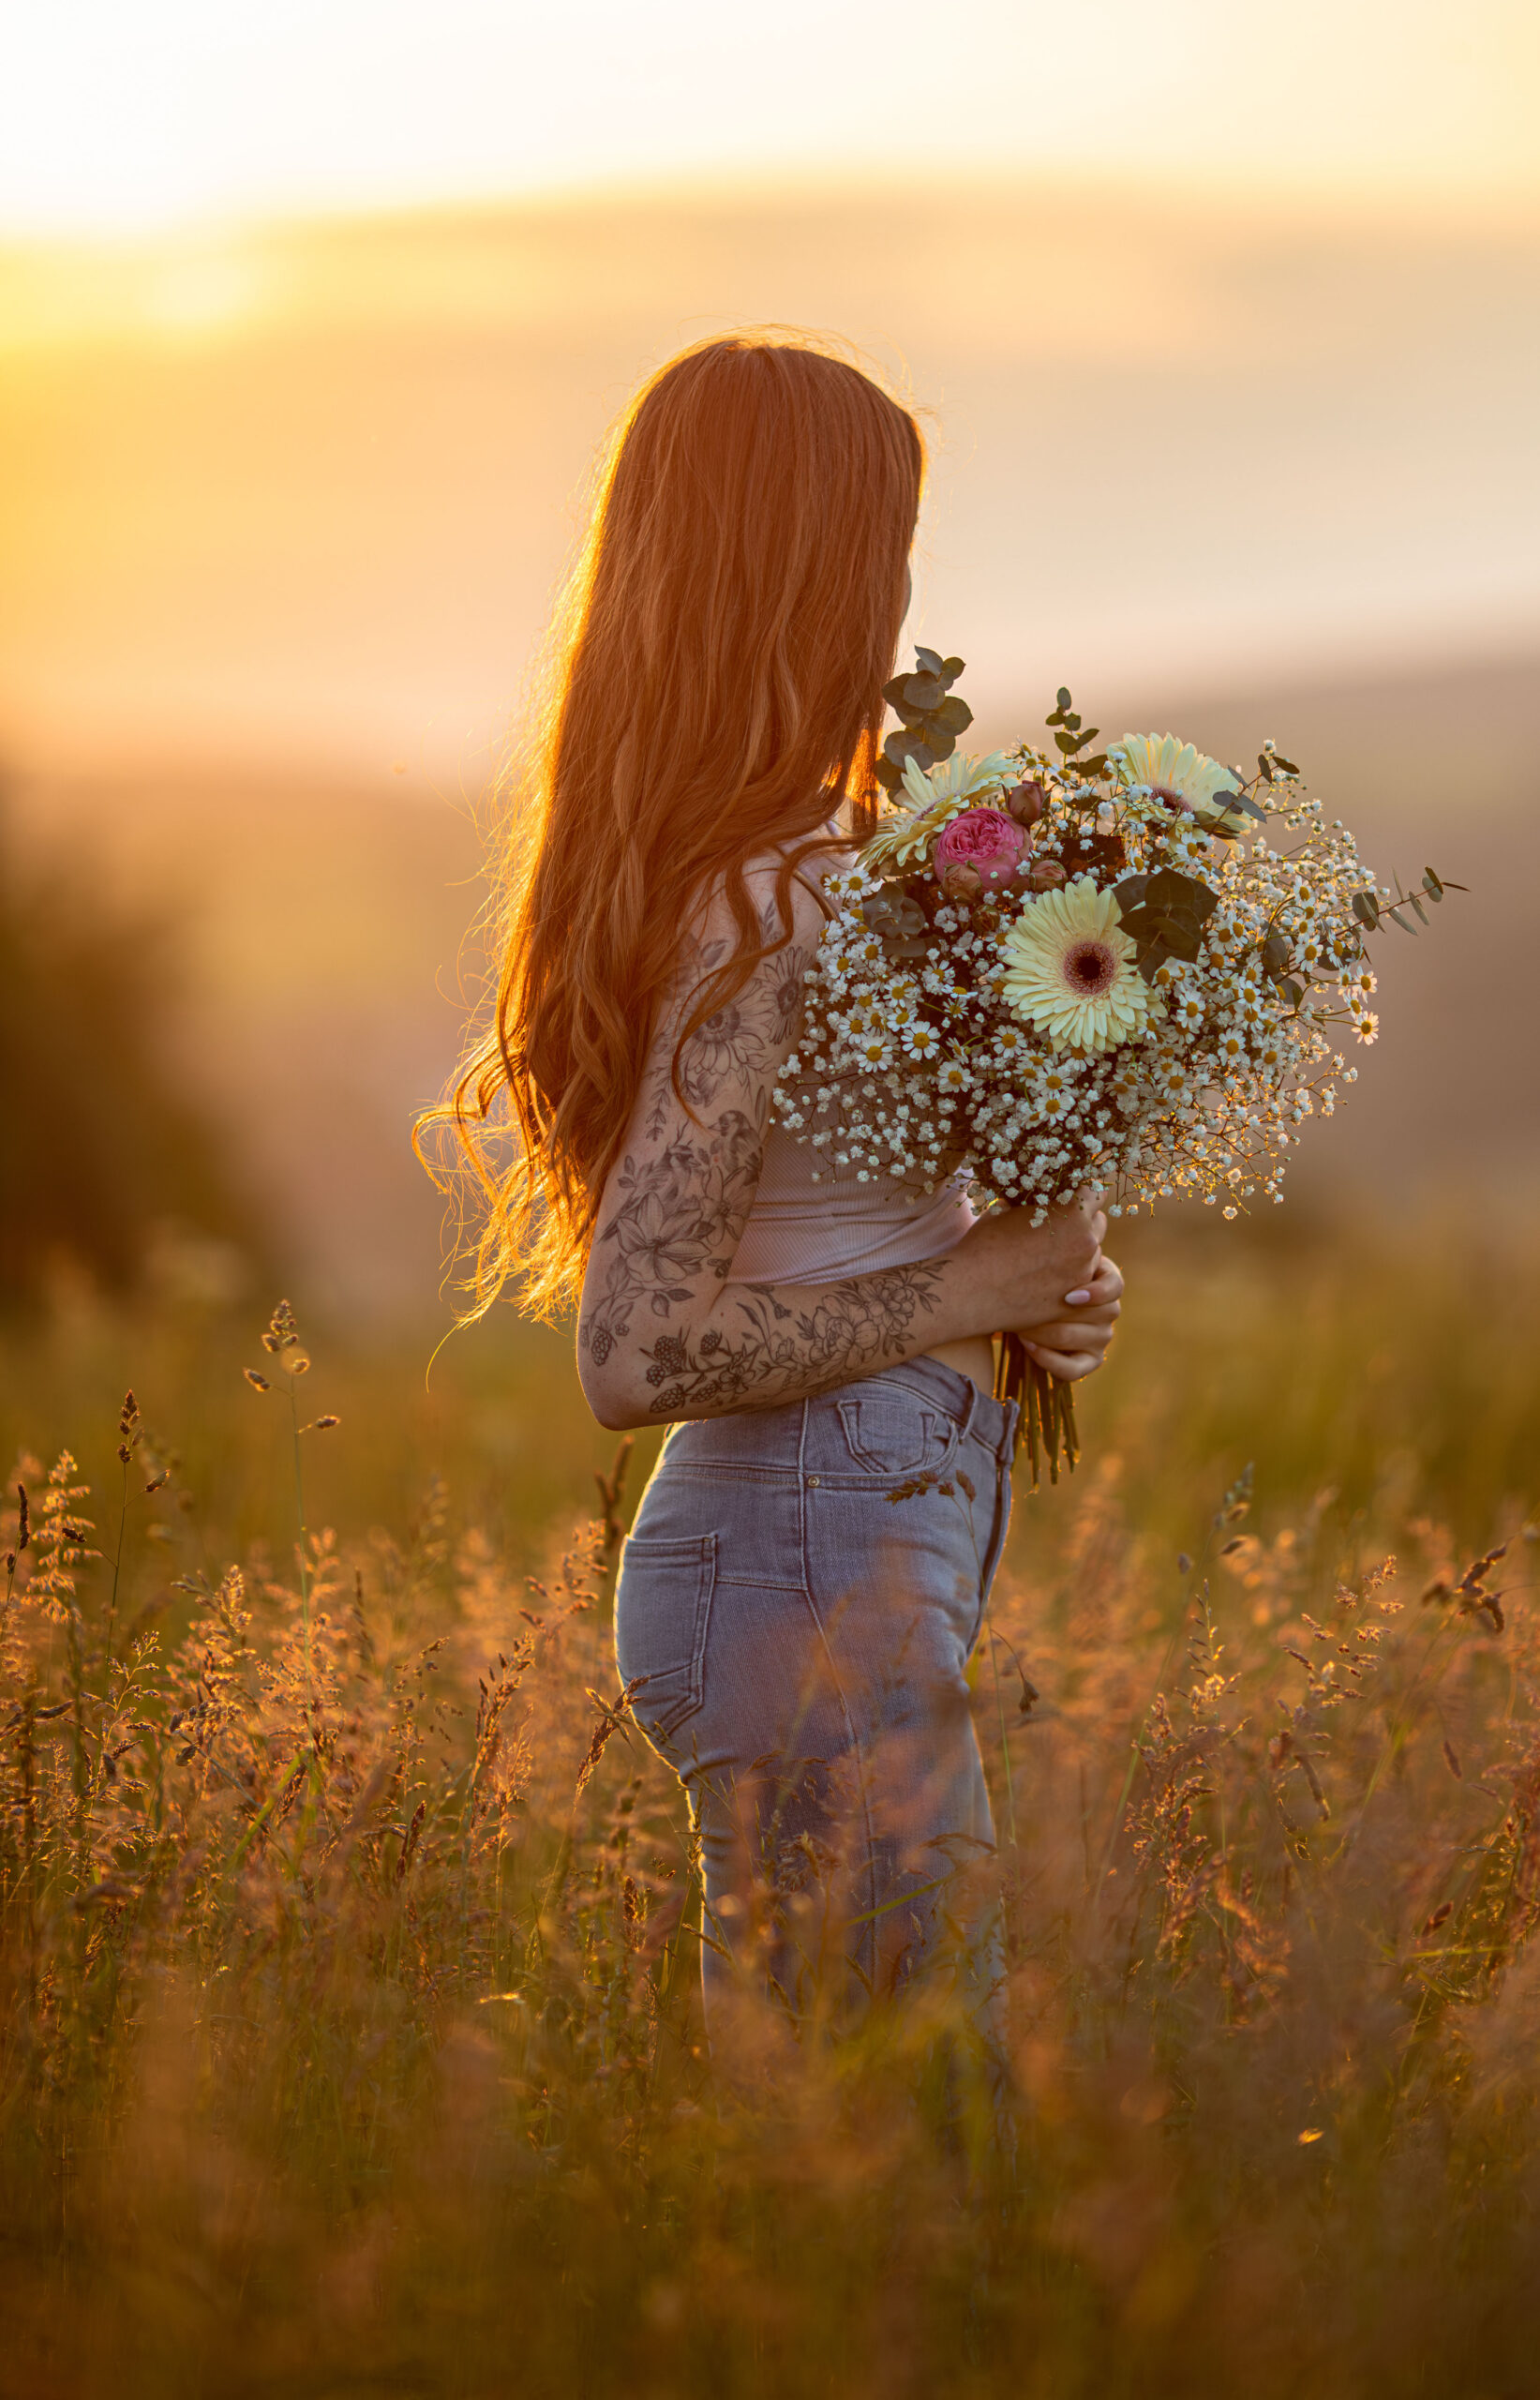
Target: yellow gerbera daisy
<point x="1069" y="968"/>
<point x="934" y="798"/>
<point x="1176" y="772"/>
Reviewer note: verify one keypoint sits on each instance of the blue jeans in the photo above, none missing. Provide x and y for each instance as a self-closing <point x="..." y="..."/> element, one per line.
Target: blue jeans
<point x="796" y="1603"/>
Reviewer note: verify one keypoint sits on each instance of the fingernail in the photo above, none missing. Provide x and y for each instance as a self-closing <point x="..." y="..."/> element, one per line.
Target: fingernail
<point x="1076" y="1299"/>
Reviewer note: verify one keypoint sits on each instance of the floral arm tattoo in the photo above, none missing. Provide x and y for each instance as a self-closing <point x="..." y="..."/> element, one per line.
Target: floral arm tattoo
<point x="676" y="1207"/>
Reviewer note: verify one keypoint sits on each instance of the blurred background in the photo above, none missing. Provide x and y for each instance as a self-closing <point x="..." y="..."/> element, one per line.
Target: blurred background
<point x="312" y="318"/>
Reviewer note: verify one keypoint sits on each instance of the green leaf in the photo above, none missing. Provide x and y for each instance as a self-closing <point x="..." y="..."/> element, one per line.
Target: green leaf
<point x="1164" y="930"/>
<point x="901" y="747"/>
<point x="1168" y="889"/>
<point x="1432" y="885"/>
<point x="1415" y="900"/>
<point x="1397" y="919"/>
<point x="889" y="776"/>
<point x="1293" y="988"/>
<point x="894" y="914"/>
<point x="1072" y="721"/>
<point x="1065" y="743"/>
<point x="953" y="716"/>
<point x="952" y="667"/>
<point x="923" y="692"/>
<point x="1129" y="893"/>
<point x="893" y="693"/>
<point x="1366" y="908"/>
<point x="1275" y="954"/>
<point x="1062" y="698"/>
<point x="931" y="661"/>
<point x="1097" y="765"/>
<point x="1287" y="764"/>
<point x="942" y="744"/>
<point x="1264" y="765"/>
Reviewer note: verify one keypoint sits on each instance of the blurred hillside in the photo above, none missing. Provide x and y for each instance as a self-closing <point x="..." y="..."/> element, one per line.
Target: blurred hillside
<point x="325" y="930"/>
<point x="281" y="512"/>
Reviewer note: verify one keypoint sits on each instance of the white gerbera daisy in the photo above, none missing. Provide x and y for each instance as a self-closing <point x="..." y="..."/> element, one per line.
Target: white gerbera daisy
<point x="934" y="798"/>
<point x="1069" y="968"/>
<point x="1177" y="773"/>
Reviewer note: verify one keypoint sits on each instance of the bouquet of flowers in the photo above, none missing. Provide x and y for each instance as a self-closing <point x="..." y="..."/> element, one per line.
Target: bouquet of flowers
<point x="1132" y="966"/>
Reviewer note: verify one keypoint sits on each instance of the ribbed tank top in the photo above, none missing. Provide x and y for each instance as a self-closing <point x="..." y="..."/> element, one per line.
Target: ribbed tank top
<point x="803" y="1232"/>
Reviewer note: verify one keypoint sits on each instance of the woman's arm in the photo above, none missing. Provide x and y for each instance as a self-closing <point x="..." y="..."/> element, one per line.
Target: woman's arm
<point x="662" y="1334"/>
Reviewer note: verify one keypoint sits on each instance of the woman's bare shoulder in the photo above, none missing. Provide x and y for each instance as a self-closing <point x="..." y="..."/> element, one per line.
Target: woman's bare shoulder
<point x="805" y="890"/>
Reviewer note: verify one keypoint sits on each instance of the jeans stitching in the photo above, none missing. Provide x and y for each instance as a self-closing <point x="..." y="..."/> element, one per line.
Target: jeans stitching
<point x="851" y="1736"/>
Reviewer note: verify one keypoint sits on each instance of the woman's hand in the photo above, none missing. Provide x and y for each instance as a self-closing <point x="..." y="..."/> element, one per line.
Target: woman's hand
<point x="1076" y="1342"/>
<point x="1021" y="1274"/>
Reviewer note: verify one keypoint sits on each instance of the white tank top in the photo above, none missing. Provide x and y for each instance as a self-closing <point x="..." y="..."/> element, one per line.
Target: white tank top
<point x="803" y="1232"/>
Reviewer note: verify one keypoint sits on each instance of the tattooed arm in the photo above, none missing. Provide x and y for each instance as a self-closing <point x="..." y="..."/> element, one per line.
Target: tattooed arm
<point x="662" y="1334"/>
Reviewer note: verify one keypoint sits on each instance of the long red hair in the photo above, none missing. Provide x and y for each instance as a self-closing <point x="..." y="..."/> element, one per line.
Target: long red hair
<point x="716" y="690"/>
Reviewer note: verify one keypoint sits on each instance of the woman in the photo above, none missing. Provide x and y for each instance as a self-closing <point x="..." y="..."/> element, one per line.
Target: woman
<point x="810" y="1561"/>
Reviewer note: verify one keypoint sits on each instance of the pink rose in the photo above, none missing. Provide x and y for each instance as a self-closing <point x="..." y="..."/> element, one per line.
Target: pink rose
<point x="985" y="839"/>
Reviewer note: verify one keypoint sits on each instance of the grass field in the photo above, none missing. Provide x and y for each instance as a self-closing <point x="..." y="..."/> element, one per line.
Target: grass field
<point x="349" y="2037"/>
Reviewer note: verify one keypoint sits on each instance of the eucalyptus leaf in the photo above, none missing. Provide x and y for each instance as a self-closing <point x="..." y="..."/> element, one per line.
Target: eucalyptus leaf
<point x="1164" y="930"/>
<point x="931" y="661"/>
<point x="923" y="691"/>
<point x="953" y="715"/>
<point x="892" y="916"/>
<point x="952" y="667"/>
<point x="1366" y="908"/>
<point x="1169" y="889"/>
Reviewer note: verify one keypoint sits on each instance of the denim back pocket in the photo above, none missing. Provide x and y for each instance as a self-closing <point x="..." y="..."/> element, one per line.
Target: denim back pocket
<point x="662" y="1609"/>
<point x="890" y="1431"/>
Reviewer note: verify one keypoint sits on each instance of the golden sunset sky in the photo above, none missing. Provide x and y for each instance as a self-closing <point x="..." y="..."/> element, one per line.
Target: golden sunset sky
<point x="138" y="114"/>
<point x="1226" y="318"/>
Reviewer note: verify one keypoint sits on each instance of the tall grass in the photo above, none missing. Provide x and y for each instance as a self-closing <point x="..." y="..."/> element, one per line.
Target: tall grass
<point x="348" y="2029"/>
